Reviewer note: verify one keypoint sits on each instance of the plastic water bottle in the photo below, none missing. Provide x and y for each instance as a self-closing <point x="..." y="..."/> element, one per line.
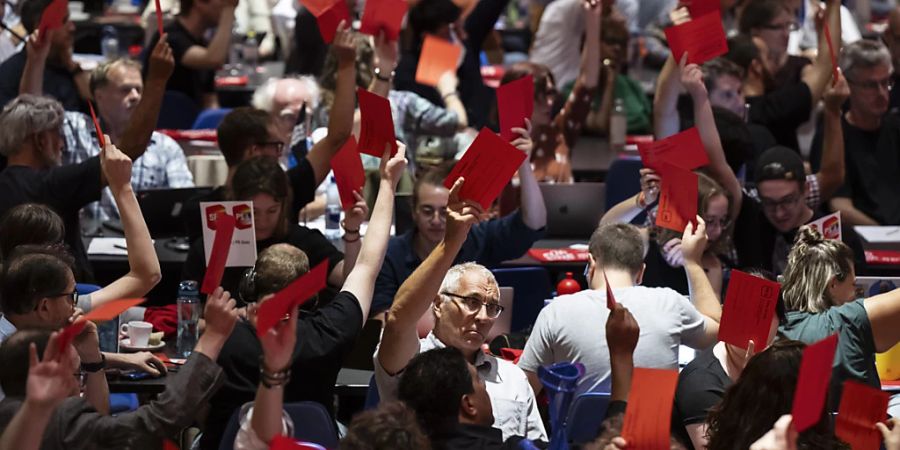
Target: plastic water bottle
<point x="618" y="126"/>
<point x="251" y="50"/>
<point x="188" y="317"/>
<point x="109" y="45"/>
<point x="332" y="211"/>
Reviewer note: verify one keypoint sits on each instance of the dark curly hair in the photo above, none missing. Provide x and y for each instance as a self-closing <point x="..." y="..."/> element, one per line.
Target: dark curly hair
<point x="433" y="384"/>
<point x="392" y="425"/>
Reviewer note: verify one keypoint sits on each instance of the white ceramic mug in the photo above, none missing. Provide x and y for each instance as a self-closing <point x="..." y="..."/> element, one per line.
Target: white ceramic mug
<point x="138" y="332"/>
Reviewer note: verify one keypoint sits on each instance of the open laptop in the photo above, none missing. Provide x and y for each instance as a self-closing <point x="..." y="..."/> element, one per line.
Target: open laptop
<point x="162" y="209"/>
<point x="573" y="210"/>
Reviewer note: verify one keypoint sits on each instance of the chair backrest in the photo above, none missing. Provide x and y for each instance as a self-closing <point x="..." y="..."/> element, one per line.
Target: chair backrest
<point x="622" y="180"/>
<point x="210" y="118"/>
<point x="585" y="416"/>
<point x="311" y="424"/>
<point x="531" y="286"/>
<point x="178" y="111"/>
<point x="372" y="396"/>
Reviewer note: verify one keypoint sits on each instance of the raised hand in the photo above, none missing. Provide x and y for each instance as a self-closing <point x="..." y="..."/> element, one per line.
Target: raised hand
<point x="386" y="53"/>
<point x="116" y="166"/>
<point x="392" y="167"/>
<point x="891" y="435"/>
<point x="672" y="253"/>
<point x="461" y="215"/>
<point x="692" y="78"/>
<point x="693" y="242"/>
<point x="782" y="436"/>
<point x="650" y="181"/>
<point x="278" y="343"/>
<point x="50" y="381"/>
<point x="36" y="47"/>
<point x="524" y="142"/>
<point x="220" y="313"/>
<point x="162" y="61"/>
<point x="622" y="332"/>
<point x="357" y="214"/>
<point x="344" y="45"/>
<point x="836" y="94"/>
<point x="447" y="83"/>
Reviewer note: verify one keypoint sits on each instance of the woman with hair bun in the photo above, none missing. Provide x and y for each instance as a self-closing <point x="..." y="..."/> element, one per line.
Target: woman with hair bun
<point x="819" y="293"/>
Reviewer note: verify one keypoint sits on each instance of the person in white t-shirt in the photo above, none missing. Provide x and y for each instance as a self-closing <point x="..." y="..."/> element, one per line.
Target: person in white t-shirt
<point x="571" y="327"/>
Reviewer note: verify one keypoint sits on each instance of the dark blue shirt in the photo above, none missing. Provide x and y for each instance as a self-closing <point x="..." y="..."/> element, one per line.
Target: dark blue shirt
<point x="489" y="244"/>
<point x="58" y="83"/>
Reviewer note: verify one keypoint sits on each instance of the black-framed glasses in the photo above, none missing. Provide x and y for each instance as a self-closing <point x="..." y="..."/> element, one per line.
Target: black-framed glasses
<point x="473" y="305"/>
<point x="875" y="85"/>
<point x="771" y="205"/>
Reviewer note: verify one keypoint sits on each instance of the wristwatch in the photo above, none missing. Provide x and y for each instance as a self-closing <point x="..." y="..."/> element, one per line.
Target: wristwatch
<point x="94" y="367"/>
<point x="381" y="77"/>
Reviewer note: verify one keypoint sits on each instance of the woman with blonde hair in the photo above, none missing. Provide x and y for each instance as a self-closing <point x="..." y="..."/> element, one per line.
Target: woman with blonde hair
<point x="819" y="293"/>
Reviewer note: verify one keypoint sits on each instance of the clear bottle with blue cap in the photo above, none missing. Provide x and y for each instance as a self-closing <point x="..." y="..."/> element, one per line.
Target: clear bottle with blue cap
<point x="188" y="305"/>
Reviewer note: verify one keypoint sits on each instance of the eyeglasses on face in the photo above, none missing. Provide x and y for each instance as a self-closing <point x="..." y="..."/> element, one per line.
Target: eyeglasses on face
<point x="875" y="85"/>
<point x="473" y="305"/>
<point x="722" y="222"/>
<point x="771" y="205"/>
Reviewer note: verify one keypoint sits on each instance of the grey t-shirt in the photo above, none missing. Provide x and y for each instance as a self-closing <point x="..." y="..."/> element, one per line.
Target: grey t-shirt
<point x="573" y="328"/>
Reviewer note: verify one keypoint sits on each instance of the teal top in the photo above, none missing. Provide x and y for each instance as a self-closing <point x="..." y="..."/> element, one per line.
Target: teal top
<point x="855" y="356"/>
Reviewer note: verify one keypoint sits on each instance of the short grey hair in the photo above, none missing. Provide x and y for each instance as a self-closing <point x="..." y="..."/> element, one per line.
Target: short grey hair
<point x="24" y="116"/>
<point x="864" y="54"/>
<point x="451" y="280"/>
<point x="264" y="96"/>
<point x="100" y="75"/>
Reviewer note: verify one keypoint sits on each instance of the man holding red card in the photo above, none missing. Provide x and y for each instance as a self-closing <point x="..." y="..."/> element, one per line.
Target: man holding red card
<point x="570" y="327"/>
<point x="489" y="243"/>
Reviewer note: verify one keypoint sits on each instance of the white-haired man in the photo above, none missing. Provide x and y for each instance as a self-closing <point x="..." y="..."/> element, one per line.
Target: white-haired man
<point x="283" y="99"/>
<point x="465" y="301"/>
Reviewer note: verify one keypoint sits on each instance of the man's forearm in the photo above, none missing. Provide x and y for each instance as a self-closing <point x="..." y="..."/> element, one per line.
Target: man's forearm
<point x="339" y="126"/>
<point x="221" y="40"/>
<point x="665" y="103"/>
<point x="534" y="211"/>
<point x="850" y="215"/>
<point x="210" y="344"/>
<point x="32" y="81"/>
<point x="26" y="429"/>
<point x="831" y="174"/>
<point x="702" y="295"/>
<point x="622" y="367"/>
<point x="417" y="292"/>
<point x="136" y="136"/>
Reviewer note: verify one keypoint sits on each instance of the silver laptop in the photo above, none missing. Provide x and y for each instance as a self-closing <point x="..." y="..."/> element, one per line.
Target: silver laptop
<point x="573" y="210"/>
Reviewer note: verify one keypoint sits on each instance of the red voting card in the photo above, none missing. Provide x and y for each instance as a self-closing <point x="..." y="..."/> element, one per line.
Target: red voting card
<point x="110" y="310"/>
<point x="376" y="124"/>
<point x="293" y="295"/>
<point x="812" y="382"/>
<point x="748" y="311"/>
<point x="438" y="56"/>
<point x="515" y="103"/>
<point x="488" y="164"/>
<point x="219" y="256"/>
<point x="329" y="19"/>
<point x="159" y="18"/>
<point x="699" y="8"/>
<point x="97" y="125"/>
<point x="684" y="150"/>
<point x="703" y="38"/>
<point x="648" y="416"/>
<point x="68" y="334"/>
<point x="386" y="15"/>
<point x="53" y="17"/>
<point x="286" y="443"/>
<point x="610" y="298"/>
<point x="861" y="407"/>
<point x="348" y="173"/>
<point x="677" y="198"/>
<point x="834" y="62"/>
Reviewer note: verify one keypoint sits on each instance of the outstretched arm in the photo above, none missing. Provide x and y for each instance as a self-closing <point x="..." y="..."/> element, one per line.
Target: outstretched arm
<point x="818" y="75"/>
<point x="831" y="174"/>
<point x="136" y="137"/>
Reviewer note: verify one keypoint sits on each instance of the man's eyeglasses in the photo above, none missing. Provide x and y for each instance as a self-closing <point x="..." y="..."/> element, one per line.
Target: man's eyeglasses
<point x="789" y="26"/>
<point x="771" y="205"/>
<point x="430" y="211"/>
<point x="886" y="84"/>
<point x="473" y="305"/>
<point x="72" y="297"/>
<point x="722" y="223"/>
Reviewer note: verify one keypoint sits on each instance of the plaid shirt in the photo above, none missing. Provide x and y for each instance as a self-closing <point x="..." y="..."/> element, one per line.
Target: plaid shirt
<point x="163" y="165"/>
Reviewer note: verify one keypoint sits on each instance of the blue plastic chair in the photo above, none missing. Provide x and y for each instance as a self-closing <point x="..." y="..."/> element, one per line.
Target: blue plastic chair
<point x="311" y="424"/>
<point x="372" y="396"/>
<point x="622" y="180"/>
<point x="210" y="118"/>
<point x="178" y="111"/>
<point x="531" y="287"/>
<point x="585" y="416"/>
<point x="85" y="289"/>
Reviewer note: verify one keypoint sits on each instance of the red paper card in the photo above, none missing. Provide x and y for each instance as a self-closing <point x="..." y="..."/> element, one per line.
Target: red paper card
<point x="68" y="334"/>
<point x="698" y="8"/>
<point x="677" y="198"/>
<point x="293" y="295"/>
<point x="53" y="17"/>
<point x="515" y="103"/>
<point x="648" y="416"/>
<point x="97" y="126"/>
<point x="488" y="164"/>
<point x="215" y="268"/>
<point x="348" y="173"/>
<point x="376" y="124"/>
<point x="834" y="62"/>
<point x="159" y="18"/>
<point x="329" y="20"/>
<point x="383" y="15"/>
<point x="862" y="406"/>
<point x="812" y="382"/>
<point x="110" y="310"/>
<point x="286" y="443"/>
<point x="749" y="308"/>
<point x="610" y="298"/>
<point x="684" y="150"/>
<point x="703" y="38"/>
<point x="438" y="56"/>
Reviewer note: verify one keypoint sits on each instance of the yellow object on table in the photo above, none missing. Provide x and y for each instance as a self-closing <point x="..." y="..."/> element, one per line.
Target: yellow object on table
<point x="888" y="364"/>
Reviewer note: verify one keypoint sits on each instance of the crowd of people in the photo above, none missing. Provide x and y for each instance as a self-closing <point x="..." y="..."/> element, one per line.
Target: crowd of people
<point x="797" y="120"/>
